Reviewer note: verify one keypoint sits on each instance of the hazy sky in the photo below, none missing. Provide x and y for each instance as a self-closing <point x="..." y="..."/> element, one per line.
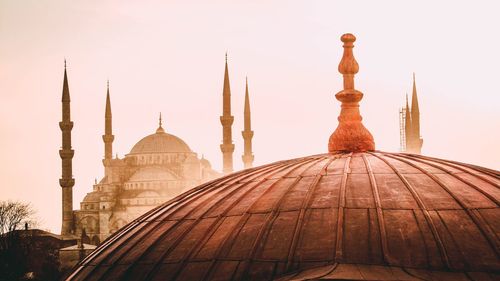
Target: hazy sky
<point x="168" y="56"/>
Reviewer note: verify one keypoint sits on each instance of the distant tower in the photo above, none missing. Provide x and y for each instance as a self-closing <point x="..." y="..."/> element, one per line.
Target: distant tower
<point x="66" y="182"/>
<point x="247" y="132"/>
<point x="108" y="136"/>
<point x="227" y="146"/>
<point x="411" y="120"/>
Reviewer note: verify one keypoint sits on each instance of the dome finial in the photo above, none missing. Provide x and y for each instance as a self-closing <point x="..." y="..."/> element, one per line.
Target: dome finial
<point x="160" y="128"/>
<point x="350" y="134"/>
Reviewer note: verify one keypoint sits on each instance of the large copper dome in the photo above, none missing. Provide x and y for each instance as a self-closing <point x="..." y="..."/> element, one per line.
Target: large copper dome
<point x="351" y="214"/>
<point x="363" y="208"/>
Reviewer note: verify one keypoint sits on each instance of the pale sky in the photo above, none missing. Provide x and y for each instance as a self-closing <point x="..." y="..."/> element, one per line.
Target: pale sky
<point x="168" y="56"/>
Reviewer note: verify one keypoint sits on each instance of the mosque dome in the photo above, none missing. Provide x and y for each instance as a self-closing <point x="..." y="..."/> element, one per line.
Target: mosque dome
<point x="354" y="210"/>
<point x="160" y="142"/>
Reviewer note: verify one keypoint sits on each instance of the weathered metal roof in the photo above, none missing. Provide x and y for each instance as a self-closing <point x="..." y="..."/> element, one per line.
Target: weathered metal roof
<point x="371" y="208"/>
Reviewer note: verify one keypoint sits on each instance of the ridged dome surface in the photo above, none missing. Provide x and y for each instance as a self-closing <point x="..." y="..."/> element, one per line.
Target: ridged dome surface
<point x="370" y="208"/>
<point x="160" y="142"/>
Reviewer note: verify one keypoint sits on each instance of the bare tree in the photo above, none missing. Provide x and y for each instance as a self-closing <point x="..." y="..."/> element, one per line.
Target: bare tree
<point x="13" y="216"/>
<point x="14" y="250"/>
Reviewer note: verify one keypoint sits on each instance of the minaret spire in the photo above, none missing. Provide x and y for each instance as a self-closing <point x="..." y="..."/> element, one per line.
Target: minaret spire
<point x="66" y="153"/>
<point x="247" y="132"/>
<point x="227" y="146"/>
<point x="414" y="141"/>
<point x="415" y="112"/>
<point x="350" y="134"/>
<point x="108" y="136"/>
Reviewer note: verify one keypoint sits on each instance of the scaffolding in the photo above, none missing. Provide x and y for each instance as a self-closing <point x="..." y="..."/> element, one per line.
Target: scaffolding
<point x="402" y="129"/>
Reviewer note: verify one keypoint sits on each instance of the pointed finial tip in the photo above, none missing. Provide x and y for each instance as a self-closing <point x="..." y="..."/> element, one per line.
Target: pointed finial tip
<point x="160" y="123"/>
<point x="64" y="63"/>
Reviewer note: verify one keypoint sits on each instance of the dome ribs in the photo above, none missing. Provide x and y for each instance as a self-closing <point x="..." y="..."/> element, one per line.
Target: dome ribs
<point x="340" y="213"/>
<point x="457" y="165"/>
<point x="241" y="222"/>
<point x="211" y="228"/>
<point x="483" y="228"/>
<point x="128" y="238"/>
<point x="300" y="221"/>
<point x="428" y="218"/>
<point x="202" y="192"/>
<point x="184" y="199"/>
<point x="270" y="217"/>
<point x="447" y="171"/>
<point x="380" y="215"/>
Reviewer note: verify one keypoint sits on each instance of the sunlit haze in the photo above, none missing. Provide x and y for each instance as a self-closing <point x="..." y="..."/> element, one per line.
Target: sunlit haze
<point x="168" y="56"/>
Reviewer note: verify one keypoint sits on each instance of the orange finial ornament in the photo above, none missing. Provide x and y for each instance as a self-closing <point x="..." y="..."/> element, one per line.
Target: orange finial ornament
<point x="350" y="135"/>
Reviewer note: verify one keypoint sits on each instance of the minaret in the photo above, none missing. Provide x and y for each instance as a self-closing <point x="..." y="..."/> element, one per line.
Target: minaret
<point x="108" y="136"/>
<point x="227" y="146"/>
<point x="247" y="132"/>
<point x="415" y="140"/>
<point x="66" y="182"/>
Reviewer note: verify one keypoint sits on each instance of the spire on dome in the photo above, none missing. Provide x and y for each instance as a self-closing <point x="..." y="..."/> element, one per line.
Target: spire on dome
<point x="160" y="128"/>
<point x="350" y="134"/>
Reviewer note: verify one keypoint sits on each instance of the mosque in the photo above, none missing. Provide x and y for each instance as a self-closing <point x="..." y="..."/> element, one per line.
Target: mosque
<point x="351" y="213"/>
<point x="158" y="167"/>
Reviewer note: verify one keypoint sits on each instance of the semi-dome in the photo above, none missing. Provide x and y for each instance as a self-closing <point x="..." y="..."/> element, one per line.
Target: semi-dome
<point x="353" y="209"/>
<point x="160" y="142"/>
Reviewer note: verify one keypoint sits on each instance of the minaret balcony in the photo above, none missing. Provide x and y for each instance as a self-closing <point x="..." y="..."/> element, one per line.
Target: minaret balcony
<point x="227" y="120"/>
<point x="66" y="153"/>
<point x="66" y="182"/>
<point x="225" y="148"/>
<point x="66" y="125"/>
<point x="247" y="134"/>
<point x="108" y="138"/>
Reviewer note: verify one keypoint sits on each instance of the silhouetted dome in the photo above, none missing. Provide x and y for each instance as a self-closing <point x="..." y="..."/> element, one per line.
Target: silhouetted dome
<point x="395" y="209"/>
<point x="160" y="142"/>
